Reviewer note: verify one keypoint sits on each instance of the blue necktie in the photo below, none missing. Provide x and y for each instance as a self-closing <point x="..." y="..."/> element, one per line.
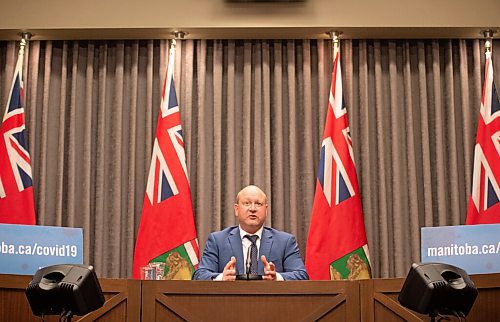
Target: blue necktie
<point x="253" y="253"/>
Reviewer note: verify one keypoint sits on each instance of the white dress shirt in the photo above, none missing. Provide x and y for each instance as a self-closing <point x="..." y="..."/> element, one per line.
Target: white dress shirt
<point x="246" y="243"/>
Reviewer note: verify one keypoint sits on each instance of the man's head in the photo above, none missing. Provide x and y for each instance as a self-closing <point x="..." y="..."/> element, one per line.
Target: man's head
<point x="251" y="208"/>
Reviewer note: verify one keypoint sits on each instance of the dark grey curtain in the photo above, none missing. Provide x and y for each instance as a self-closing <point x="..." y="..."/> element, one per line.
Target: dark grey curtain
<point x="253" y="112"/>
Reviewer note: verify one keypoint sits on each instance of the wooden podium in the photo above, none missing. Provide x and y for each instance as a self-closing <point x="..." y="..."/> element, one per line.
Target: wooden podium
<point x="123" y="301"/>
<point x="250" y="301"/>
<point x="132" y="301"/>
<point x="379" y="301"/>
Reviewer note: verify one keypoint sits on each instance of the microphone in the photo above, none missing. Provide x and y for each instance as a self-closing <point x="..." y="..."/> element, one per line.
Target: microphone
<point x="248" y="276"/>
<point x="249" y="261"/>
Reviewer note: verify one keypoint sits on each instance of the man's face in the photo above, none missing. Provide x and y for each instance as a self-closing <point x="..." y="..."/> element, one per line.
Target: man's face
<point x="251" y="209"/>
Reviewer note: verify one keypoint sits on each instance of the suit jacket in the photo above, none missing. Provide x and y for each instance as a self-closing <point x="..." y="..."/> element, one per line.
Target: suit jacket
<point x="278" y="247"/>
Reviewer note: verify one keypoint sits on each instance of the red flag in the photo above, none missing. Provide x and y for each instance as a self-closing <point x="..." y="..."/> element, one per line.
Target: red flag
<point x="16" y="185"/>
<point x="336" y="244"/>
<point x="484" y="205"/>
<point x="167" y="231"/>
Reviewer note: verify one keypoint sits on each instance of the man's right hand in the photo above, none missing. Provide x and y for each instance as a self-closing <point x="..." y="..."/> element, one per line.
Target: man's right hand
<point x="229" y="273"/>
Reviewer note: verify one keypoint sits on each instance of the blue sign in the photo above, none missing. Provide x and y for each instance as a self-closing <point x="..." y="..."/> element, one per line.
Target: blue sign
<point x="24" y="249"/>
<point x="474" y="248"/>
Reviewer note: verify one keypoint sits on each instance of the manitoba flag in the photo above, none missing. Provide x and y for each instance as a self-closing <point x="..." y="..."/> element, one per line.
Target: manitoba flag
<point x="16" y="185"/>
<point x="484" y="205"/>
<point x="336" y="244"/>
<point x="167" y="231"/>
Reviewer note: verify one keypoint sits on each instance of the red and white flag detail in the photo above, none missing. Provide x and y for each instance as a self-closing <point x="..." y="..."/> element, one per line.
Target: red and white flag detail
<point x="336" y="244"/>
<point x="16" y="183"/>
<point x="484" y="205"/>
<point x="167" y="230"/>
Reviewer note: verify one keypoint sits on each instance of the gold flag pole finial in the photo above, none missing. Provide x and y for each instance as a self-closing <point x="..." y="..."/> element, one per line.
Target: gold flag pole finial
<point x="335" y="35"/>
<point x="25" y="37"/>
<point x="488" y="34"/>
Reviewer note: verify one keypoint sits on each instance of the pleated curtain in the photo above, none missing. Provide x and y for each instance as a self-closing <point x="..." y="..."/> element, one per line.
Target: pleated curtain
<point x="253" y="112"/>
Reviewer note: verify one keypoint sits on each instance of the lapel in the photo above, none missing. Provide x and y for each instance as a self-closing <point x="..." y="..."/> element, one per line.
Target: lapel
<point x="236" y="249"/>
<point x="265" y="248"/>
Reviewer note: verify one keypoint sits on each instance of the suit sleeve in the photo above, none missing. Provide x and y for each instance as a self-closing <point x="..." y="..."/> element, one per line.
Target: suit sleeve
<point x="208" y="268"/>
<point x="293" y="266"/>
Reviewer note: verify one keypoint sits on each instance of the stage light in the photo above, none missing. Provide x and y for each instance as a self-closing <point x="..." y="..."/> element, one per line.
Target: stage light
<point x="438" y="289"/>
<point x="64" y="290"/>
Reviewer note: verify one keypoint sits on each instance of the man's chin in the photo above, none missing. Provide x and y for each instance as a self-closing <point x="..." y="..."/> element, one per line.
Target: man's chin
<point x="253" y="226"/>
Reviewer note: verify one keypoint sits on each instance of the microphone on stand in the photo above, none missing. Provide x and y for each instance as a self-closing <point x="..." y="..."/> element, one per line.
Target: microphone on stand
<point x="249" y="261"/>
<point x="248" y="275"/>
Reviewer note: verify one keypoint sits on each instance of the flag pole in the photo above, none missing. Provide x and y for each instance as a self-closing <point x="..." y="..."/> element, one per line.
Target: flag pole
<point x="178" y="34"/>
<point x="25" y="37"/>
<point x="488" y="35"/>
<point x="335" y="36"/>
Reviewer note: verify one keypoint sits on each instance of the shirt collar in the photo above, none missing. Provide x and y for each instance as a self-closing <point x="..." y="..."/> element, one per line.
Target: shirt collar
<point x="258" y="232"/>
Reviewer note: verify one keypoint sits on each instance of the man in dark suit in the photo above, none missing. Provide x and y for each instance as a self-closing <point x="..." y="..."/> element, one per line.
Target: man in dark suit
<point x="223" y="257"/>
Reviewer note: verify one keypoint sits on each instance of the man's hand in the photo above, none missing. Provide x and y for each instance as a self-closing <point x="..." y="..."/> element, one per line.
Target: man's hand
<point x="229" y="273"/>
<point x="269" y="269"/>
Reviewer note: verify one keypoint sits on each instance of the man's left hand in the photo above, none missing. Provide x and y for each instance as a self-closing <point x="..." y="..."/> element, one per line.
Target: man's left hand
<point x="269" y="269"/>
